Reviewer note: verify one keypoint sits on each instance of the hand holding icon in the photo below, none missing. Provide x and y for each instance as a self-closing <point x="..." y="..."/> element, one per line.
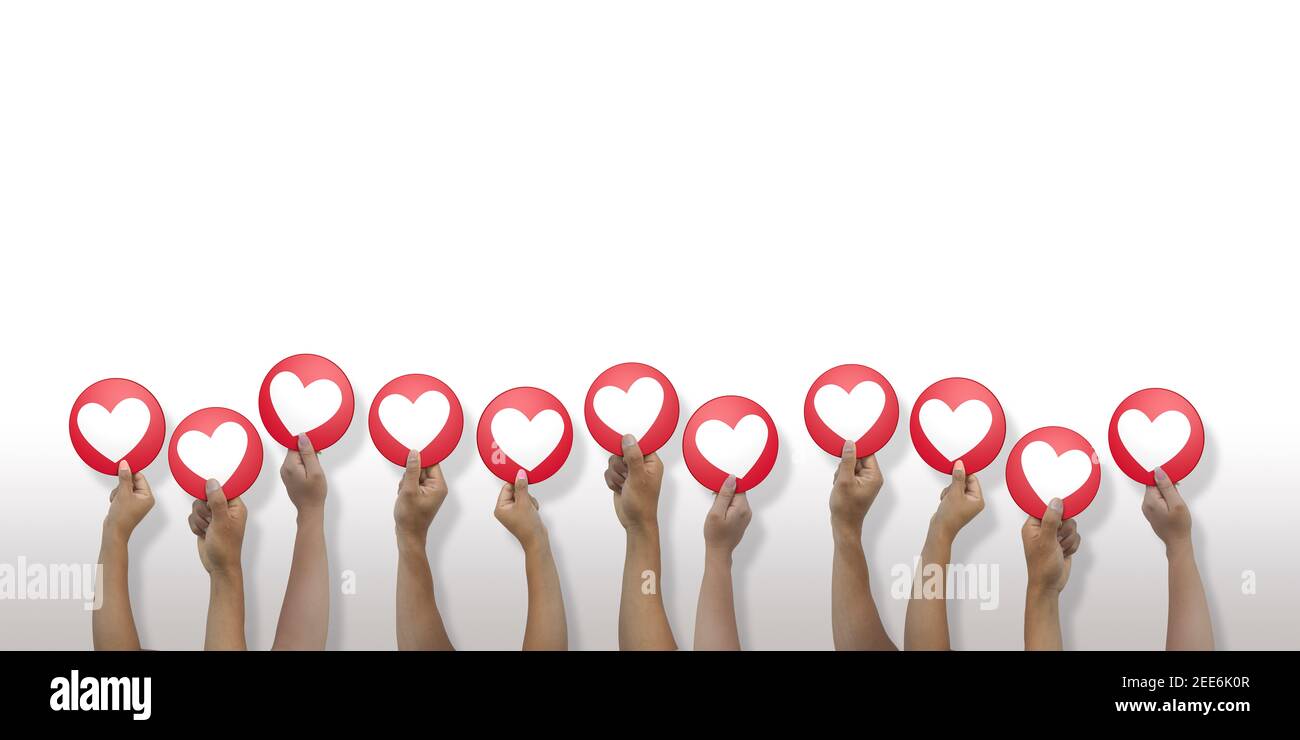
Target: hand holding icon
<point x="518" y="512"/>
<point x="635" y="480"/>
<point x="727" y="519"/>
<point x="857" y="483"/>
<point x="959" y="503"/>
<point x="219" y="525"/>
<point x="1049" y="546"/>
<point x="419" y="496"/>
<point x="128" y="503"/>
<point x="303" y="477"/>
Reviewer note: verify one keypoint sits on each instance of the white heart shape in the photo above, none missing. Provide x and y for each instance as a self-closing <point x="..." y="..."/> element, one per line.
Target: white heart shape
<point x="1051" y="475"/>
<point x="527" y="441"/>
<point x="732" y="450"/>
<point x="414" y="424"/>
<point x="114" y="433"/>
<point x="632" y="411"/>
<point x="1154" y="443"/>
<point x="850" y="414"/>
<point x="216" y="456"/>
<point x="955" y="432"/>
<point x="303" y="408"/>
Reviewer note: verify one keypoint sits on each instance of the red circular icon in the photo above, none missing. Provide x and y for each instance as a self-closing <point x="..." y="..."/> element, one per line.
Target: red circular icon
<point x="215" y="443"/>
<point x="851" y="402"/>
<point x="1156" y="428"/>
<point x="114" y="420"/>
<point x="730" y="435"/>
<point x="634" y="399"/>
<point x="306" y="394"/>
<point x="416" y="412"/>
<point x="1053" y="462"/>
<point x="958" y="419"/>
<point x="525" y="429"/>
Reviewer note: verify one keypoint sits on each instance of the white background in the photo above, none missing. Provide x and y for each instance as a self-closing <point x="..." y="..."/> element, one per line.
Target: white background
<point x="1065" y="201"/>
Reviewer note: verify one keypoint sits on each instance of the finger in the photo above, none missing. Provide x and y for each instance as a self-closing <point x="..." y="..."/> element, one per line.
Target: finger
<point x="848" y="461"/>
<point x="432" y="473"/>
<point x="411" y="476"/>
<point x="507" y="495"/>
<point x="739" y="505"/>
<point x="194" y="524"/>
<point x="633" y="457"/>
<point x="973" y="488"/>
<point x="1167" y="488"/>
<point x="236" y="505"/>
<point x="292" y="461"/>
<point x="614" y="481"/>
<point x="310" y="460"/>
<point x="1152" y="501"/>
<point x="722" y="501"/>
<point x="536" y="505"/>
<point x="618" y="465"/>
<point x="1070" y="545"/>
<point x="521" y="485"/>
<point x="1052" y="517"/>
<point x="1067" y="528"/>
<point x="141" y="485"/>
<point x="124" y="479"/>
<point x="215" y="497"/>
<point x="867" y="465"/>
<point x="958" y="484"/>
<point x="201" y="510"/>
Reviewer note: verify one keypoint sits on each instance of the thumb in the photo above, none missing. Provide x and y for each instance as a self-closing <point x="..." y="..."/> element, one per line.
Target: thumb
<point x="958" y="478"/>
<point x="1168" y="491"/>
<point x="1052" y="518"/>
<point x="411" y="476"/>
<point x="722" y="501"/>
<point x="125" y="481"/>
<point x="633" y="457"/>
<point x="521" y="485"/>
<point x="216" y="498"/>
<point x="848" y="460"/>
<point x="309" y="459"/>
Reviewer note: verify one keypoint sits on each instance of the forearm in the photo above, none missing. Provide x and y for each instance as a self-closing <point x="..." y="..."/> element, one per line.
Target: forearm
<point x="642" y="621"/>
<point x="419" y="625"/>
<point x="305" y="614"/>
<point x="226" y="611"/>
<point x="112" y="625"/>
<point x="547" y="628"/>
<point x="715" y="616"/>
<point x="1042" y="619"/>
<point x="927" y="611"/>
<point x="855" y="621"/>
<point x="1189" y="611"/>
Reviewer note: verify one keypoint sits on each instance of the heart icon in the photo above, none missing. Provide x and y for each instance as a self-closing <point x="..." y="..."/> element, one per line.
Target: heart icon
<point x="525" y="429"/>
<point x="215" y="443"/>
<point x="306" y="394"/>
<point x="954" y="432"/>
<point x="1154" y="428"/>
<point x="114" y="420"/>
<point x="1154" y="443"/>
<point x="216" y="456"/>
<point x="416" y="412"/>
<point x="1053" y="462"/>
<point x="631" y="398"/>
<point x="853" y="403"/>
<point x="958" y="419"/>
<point x="730" y="435"/>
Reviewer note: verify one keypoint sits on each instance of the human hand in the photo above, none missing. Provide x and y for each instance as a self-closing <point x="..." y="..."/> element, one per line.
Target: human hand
<point x="219" y="525"/>
<point x="857" y="482"/>
<point x="419" y="496"/>
<point x="727" y="519"/>
<point x="303" y="477"/>
<point x="127" y="503"/>
<point x="1049" y="545"/>
<point x="959" y="502"/>
<point x="1167" y="513"/>
<point x="635" y="480"/>
<point x="517" y="510"/>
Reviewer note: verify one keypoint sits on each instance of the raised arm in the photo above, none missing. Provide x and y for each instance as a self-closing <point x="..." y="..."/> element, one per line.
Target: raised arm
<point x="219" y="525"/>
<point x="1189" y="611"/>
<point x="855" y="621"/>
<point x="635" y="480"/>
<point x="112" y="624"/>
<point x="927" y="616"/>
<point x="1049" y="546"/>
<point x="305" y="614"/>
<point x="419" y="496"/>
<point x="725" y="524"/>
<point x="518" y="511"/>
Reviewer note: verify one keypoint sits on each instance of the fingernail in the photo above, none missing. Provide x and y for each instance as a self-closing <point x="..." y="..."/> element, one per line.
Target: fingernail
<point x="1160" y="474"/>
<point x="729" y="483"/>
<point x="958" y="467"/>
<point x="1057" y="504"/>
<point x="850" y="446"/>
<point x="412" y="454"/>
<point x="302" y="441"/>
<point x="629" y="441"/>
<point x="521" y="476"/>
<point x="211" y="486"/>
<point x="122" y="467"/>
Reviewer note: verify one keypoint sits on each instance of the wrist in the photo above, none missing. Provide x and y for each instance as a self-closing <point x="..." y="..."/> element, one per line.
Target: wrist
<point x="538" y="544"/>
<point x="846" y="532"/>
<point x="115" y="535"/>
<point x="1176" y="549"/>
<point x="648" y="528"/>
<point x="941" y="533"/>
<point x="311" y="515"/>
<point x="1041" y="594"/>
<point x="409" y="541"/>
<point x="227" y="572"/>
<point x="717" y="555"/>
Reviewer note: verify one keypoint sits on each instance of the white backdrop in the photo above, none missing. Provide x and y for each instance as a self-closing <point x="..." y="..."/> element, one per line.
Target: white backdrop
<point x="1067" y="202"/>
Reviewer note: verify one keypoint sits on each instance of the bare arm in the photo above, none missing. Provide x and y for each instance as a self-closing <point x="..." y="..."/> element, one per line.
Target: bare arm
<point x="715" y="616"/>
<point x="419" y="496"/>
<point x="220" y="542"/>
<point x="518" y="511"/>
<point x="1189" y="610"/>
<point x="225" y="630"/>
<point x="927" y="614"/>
<point x="1049" y="549"/>
<point x="635" y="480"/>
<point x="112" y="625"/>
<point x="855" y="620"/>
<point x="305" y="614"/>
